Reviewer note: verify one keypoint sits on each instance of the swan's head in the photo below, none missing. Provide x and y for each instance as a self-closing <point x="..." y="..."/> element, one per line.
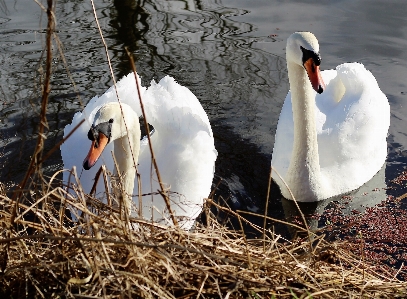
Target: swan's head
<point x="108" y="125"/>
<point x="303" y="49"/>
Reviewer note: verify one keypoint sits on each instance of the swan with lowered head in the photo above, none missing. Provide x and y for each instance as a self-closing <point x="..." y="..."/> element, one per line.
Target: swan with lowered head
<point x="182" y="142"/>
<point x="332" y="130"/>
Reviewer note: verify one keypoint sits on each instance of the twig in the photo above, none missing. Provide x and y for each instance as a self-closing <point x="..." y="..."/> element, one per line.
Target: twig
<point x="115" y="86"/>
<point x="36" y="160"/>
<point x="56" y="146"/>
<point x="163" y="190"/>
<point x="266" y="209"/>
<point x="249" y="260"/>
<point x="298" y="208"/>
<point x="97" y="176"/>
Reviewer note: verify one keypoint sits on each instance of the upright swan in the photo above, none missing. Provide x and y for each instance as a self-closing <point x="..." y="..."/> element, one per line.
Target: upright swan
<point x="182" y="141"/>
<point x="332" y="142"/>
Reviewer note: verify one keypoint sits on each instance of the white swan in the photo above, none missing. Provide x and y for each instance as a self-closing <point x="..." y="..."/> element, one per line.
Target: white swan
<point x="182" y="141"/>
<point x="333" y="142"/>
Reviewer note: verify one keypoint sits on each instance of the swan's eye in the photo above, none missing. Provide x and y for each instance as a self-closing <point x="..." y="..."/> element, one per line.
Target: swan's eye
<point x="92" y="134"/>
<point x="104" y="128"/>
<point x="307" y="54"/>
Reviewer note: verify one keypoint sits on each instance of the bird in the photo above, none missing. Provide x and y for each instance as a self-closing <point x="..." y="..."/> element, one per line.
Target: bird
<point x="332" y="129"/>
<point x="182" y="141"/>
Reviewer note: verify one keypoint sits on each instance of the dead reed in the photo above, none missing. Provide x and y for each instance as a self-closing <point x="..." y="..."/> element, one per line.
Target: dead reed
<point x="44" y="254"/>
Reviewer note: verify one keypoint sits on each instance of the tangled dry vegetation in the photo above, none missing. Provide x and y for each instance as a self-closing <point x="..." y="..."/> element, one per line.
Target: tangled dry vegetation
<point x="44" y="254"/>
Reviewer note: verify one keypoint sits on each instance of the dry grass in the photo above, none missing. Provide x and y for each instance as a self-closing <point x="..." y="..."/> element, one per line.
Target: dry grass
<point x="46" y="255"/>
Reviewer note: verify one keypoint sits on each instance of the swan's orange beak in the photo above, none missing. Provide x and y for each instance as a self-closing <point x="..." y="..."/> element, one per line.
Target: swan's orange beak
<point x="95" y="151"/>
<point x="314" y="75"/>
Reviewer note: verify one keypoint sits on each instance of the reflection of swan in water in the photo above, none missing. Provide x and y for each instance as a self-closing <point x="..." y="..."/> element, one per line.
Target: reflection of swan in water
<point x="369" y="195"/>
<point x="332" y="143"/>
<point x="183" y="145"/>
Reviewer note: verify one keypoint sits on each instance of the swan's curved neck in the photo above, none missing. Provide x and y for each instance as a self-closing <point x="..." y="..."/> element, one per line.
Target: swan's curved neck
<point x="124" y="148"/>
<point x="303" y="174"/>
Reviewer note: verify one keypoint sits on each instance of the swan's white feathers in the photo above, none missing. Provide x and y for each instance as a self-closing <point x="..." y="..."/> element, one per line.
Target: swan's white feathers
<point x="182" y="141"/>
<point x="352" y="120"/>
<point x="176" y="115"/>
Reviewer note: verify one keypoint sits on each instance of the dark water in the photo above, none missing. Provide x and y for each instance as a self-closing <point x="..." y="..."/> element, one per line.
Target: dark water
<point x="229" y="53"/>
